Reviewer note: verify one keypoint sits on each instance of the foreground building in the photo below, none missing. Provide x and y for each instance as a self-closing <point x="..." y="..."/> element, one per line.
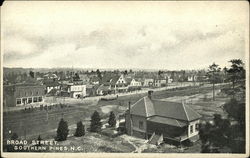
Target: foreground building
<point x="158" y="120"/>
<point x="22" y="94"/>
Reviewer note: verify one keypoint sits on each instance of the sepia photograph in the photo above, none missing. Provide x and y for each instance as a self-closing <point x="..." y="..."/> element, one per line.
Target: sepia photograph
<point x="124" y="78"/>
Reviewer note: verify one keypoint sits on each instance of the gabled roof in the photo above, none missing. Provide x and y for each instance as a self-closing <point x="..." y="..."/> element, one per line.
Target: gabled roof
<point x="169" y="121"/>
<point x="128" y="80"/>
<point x="114" y="79"/>
<point x="50" y="75"/>
<point x="51" y="83"/>
<point x="149" y="107"/>
<point x="103" y="88"/>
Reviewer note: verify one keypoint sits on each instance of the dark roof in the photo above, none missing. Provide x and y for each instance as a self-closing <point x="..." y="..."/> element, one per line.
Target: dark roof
<point x="149" y="107"/>
<point x="51" y="83"/>
<point x="110" y="80"/>
<point x="114" y="79"/>
<point x="94" y="79"/>
<point x="103" y="88"/>
<point x="169" y="121"/>
<point x="128" y="80"/>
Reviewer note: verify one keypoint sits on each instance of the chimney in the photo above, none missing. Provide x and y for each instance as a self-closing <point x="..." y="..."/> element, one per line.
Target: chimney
<point x="150" y="94"/>
<point x="129" y="106"/>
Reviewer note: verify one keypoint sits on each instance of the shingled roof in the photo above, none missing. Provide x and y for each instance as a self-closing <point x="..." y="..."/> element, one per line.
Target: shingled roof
<point x="147" y="107"/>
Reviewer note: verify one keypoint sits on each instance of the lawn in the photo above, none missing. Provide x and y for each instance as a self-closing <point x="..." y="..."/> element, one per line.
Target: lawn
<point x="31" y="124"/>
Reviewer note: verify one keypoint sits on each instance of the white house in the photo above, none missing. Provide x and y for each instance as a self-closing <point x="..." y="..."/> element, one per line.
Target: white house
<point x="192" y="78"/>
<point x="169" y="79"/>
<point x="148" y="82"/>
<point x="51" y="85"/>
<point x="77" y="91"/>
<point x="135" y="83"/>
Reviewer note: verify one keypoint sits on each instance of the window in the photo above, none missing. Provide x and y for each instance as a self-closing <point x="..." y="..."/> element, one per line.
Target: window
<point x="37" y="92"/>
<point x="197" y="127"/>
<point x="191" y="129"/>
<point x="35" y="99"/>
<point x="24" y="100"/>
<point x="40" y="99"/>
<point x="140" y="124"/>
<point x="18" y="101"/>
<point x="29" y="100"/>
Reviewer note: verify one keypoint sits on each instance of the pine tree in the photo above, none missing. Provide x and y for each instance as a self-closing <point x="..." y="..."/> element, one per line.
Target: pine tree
<point x="112" y="120"/>
<point x="62" y="131"/>
<point x="14" y="136"/>
<point x="96" y="124"/>
<point x="39" y="139"/>
<point x="10" y="147"/>
<point x="80" y="129"/>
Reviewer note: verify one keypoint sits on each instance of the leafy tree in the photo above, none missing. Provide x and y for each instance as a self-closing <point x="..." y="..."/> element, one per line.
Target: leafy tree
<point x="76" y="77"/>
<point x="216" y="136"/>
<point x="99" y="74"/>
<point x="80" y="129"/>
<point x="62" y="131"/>
<point x="160" y="72"/>
<point x="95" y="125"/>
<point x="213" y="74"/>
<point x="125" y="72"/>
<point x="32" y="74"/>
<point x="236" y="111"/>
<point x="112" y="119"/>
<point x="236" y="72"/>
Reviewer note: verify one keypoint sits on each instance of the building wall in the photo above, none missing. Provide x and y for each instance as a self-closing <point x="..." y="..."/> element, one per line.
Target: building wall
<point x="135" y="83"/>
<point x="9" y="100"/>
<point x="121" y="80"/>
<point x="192" y="131"/>
<point x="78" y="90"/>
<point x="53" y="87"/>
<point x="136" y="125"/>
<point x="166" y="130"/>
<point x="28" y="95"/>
<point x="148" y="82"/>
<point x="139" y="123"/>
<point x="22" y="95"/>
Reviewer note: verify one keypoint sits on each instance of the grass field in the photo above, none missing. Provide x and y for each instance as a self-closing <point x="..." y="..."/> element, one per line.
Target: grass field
<point x="31" y="124"/>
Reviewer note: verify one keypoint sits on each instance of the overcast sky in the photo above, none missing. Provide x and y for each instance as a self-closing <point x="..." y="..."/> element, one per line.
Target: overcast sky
<point x="155" y="35"/>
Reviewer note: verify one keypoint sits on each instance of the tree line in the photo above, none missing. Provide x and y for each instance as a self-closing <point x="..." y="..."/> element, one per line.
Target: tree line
<point x="227" y="134"/>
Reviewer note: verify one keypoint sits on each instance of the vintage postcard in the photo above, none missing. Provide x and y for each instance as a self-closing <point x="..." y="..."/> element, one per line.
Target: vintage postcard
<point x="125" y="78"/>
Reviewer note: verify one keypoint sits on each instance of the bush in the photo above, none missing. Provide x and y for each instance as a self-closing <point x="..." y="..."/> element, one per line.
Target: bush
<point x="62" y="131"/>
<point x="80" y="129"/>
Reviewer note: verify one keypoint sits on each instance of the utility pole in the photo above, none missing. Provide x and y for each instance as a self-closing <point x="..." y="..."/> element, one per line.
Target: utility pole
<point x="213" y="87"/>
